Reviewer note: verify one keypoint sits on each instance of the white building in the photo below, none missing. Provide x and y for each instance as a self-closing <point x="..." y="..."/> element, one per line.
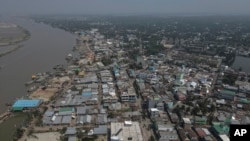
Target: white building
<point x="126" y="131"/>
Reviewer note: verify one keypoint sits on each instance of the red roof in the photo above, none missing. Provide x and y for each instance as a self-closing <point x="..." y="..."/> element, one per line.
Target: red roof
<point x="201" y="133"/>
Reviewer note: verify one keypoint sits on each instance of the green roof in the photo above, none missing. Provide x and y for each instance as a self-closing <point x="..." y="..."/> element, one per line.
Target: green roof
<point x="221" y="128"/>
<point x="245" y="100"/>
<point x="228" y="92"/>
<point x="200" y="120"/>
<point x="76" y="69"/>
<point x="179" y="76"/>
<point x="227" y="121"/>
<point x="17" y="108"/>
<point x="65" y="109"/>
<point x="156" y="98"/>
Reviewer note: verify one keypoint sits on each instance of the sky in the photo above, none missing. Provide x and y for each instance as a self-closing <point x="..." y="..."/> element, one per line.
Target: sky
<point x="19" y="7"/>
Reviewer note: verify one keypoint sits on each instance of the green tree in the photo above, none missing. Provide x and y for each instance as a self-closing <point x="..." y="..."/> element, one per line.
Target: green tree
<point x="151" y="138"/>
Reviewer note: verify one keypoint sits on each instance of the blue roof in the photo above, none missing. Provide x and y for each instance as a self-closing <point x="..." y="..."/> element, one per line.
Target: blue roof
<point x="26" y="103"/>
<point x="86" y="93"/>
<point x="151" y="68"/>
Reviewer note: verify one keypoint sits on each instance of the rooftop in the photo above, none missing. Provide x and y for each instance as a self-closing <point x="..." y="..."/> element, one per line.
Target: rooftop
<point x="26" y="103"/>
<point x="126" y="131"/>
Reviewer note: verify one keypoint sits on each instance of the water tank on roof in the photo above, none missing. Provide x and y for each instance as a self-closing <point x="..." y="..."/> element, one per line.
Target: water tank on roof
<point x="115" y="138"/>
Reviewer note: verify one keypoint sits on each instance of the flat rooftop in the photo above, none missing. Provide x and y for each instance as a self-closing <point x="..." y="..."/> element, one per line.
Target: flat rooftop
<point x="26" y="103"/>
<point x="49" y="136"/>
<point x="130" y="130"/>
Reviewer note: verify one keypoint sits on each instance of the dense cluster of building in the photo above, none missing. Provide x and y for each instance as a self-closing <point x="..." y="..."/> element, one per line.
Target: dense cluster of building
<point x="176" y="95"/>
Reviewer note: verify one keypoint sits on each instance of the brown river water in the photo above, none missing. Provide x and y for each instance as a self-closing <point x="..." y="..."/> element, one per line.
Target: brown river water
<point x="46" y="48"/>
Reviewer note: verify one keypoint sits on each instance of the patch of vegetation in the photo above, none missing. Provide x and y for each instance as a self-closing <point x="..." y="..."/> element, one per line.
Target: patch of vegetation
<point x="154" y="49"/>
<point x="229" y="79"/>
<point x="93" y="138"/>
<point x="63" y="130"/>
<point x="18" y="133"/>
<point x="63" y="138"/>
<point x="106" y="61"/>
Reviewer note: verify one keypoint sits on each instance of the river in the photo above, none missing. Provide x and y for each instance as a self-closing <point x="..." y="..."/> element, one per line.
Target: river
<point x="46" y="47"/>
<point x="243" y="62"/>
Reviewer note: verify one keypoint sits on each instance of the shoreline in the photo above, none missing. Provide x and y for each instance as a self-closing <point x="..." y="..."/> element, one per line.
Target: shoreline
<point x="11" y="50"/>
<point x="7" y="115"/>
<point x="25" y="37"/>
<point x="17" y="45"/>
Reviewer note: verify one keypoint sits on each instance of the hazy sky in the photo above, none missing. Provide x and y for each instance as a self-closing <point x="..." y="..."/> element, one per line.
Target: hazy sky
<point x="124" y="6"/>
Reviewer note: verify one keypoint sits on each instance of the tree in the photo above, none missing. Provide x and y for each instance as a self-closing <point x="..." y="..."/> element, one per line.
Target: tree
<point x="76" y="72"/>
<point x="151" y="138"/>
<point x="80" y="134"/>
<point x="18" y="134"/>
<point x="106" y="61"/>
<point x="63" y="130"/>
<point x="195" y="110"/>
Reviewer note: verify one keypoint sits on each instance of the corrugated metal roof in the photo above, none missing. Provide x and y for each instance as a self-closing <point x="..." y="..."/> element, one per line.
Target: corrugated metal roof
<point x="102" y="119"/>
<point x="81" y="110"/>
<point x="49" y="113"/>
<point x="70" y="131"/>
<point x="66" y="119"/>
<point x="26" y="103"/>
<point x="72" y="138"/>
<point x="84" y="119"/>
<point x="102" y="129"/>
<point x="58" y="120"/>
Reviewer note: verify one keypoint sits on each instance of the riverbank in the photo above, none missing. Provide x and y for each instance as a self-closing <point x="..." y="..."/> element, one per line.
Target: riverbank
<point x="15" y="42"/>
<point x="46" y="48"/>
<point x="26" y="36"/>
<point x="47" y="41"/>
<point x="10" y="51"/>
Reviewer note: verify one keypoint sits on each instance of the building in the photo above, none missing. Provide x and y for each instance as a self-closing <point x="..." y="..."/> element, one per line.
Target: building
<point x="224" y="138"/>
<point x="219" y="129"/>
<point x="129" y="96"/>
<point x="23" y="104"/>
<point x="70" y="131"/>
<point x="226" y="94"/>
<point x="126" y="131"/>
<point x="154" y="112"/>
<point x="200" y="120"/>
<point x="167" y="132"/>
<point x="100" y="130"/>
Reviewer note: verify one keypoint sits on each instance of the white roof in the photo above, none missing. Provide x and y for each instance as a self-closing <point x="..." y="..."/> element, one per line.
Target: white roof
<point x="186" y="120"/>
<point x="132" y="131"/>
<point x="206" y="131"/>
<point x="128" y="122"/>
<point x="224" y="138"/>
<point x="114" y="138"/>
<point x="154" y="109"/>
